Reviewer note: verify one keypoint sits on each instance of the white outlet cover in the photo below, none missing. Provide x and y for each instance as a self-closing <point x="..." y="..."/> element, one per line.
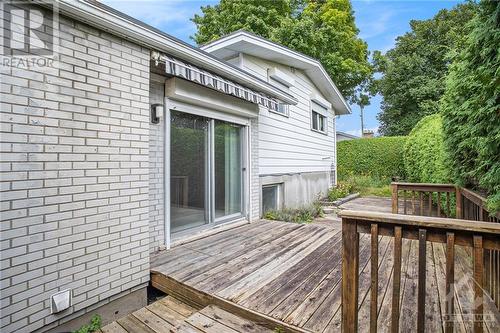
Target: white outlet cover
<point x="60" y="301"/>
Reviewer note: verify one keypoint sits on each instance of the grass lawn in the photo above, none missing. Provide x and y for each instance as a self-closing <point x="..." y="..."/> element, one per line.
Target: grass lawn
<point x="365" y="185"/>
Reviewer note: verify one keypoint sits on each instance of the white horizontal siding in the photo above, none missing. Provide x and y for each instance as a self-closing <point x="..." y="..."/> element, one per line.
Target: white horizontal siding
<point x="287" y="144"/>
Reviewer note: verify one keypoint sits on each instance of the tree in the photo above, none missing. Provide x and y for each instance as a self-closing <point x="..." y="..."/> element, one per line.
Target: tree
<point x="471" y="106"/>
<point x="414" y="71"/>
<point x="258" y="16"/>
<point x="324" y="30"/>
<point x="362" y="100"/>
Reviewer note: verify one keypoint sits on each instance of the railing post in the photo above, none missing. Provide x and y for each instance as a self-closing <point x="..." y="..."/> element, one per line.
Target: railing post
<point x="350" y="277"/>
<point x="458" y="196"/>
<point x="394" y="198"/>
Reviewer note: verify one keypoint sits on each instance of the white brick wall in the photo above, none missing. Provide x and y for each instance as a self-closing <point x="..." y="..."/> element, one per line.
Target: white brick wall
<point x="74" y="178"/>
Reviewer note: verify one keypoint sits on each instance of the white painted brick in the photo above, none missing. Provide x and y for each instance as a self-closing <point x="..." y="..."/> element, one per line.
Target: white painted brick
<point x="71" y="180"/>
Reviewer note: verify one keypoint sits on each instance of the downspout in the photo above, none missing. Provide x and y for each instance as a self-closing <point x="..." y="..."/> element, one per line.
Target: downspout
<point x="166" y="173"/>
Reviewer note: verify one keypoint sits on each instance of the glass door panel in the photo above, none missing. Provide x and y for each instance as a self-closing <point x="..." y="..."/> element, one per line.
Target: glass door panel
<point x="228" y="169"/>
<point x="189" y="142"/>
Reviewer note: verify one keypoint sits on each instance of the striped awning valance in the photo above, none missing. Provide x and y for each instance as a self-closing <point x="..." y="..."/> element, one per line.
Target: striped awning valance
<point x="192" y="73"/>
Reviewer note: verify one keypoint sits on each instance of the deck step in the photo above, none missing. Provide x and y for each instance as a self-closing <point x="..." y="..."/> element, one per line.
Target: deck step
<point x="172" y="315"/>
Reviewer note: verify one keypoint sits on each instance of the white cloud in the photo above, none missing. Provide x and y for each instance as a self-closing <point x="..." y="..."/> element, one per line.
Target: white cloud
<point x="377" y="25"/>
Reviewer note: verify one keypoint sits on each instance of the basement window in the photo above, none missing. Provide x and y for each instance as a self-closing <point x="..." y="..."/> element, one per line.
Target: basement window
<point x="271" y="197"/>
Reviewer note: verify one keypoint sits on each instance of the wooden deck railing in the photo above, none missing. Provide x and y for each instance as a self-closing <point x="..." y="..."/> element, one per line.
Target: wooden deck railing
<point x="425" y="199"/>
<point x="478" y="235"/>
<point x="468" y="206"/>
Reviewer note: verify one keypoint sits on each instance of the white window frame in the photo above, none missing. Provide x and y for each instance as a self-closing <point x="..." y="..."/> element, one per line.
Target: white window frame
<point x="278" y="84"/>
<point x="321" y="113"/>
<point x="279" y="196"/>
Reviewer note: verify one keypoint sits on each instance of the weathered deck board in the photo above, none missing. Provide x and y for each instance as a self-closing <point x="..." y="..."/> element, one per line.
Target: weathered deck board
<point x="170" y="315"/>
<point x="292" y="273"/>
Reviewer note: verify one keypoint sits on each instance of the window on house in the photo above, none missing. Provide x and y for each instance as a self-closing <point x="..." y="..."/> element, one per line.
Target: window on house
<point x="282" y="108"/>
<point x="319" y="118"/>
<point x="271" y="197"/>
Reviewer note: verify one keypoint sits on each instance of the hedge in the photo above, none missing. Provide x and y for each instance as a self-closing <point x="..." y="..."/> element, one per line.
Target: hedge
<point x="381" y="157"/>
<point x="471" y="104"/>
<point x="425" y="158"/>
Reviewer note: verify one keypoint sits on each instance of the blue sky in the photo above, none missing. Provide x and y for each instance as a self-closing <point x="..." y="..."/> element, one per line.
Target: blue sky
<point x="379" y="22"/>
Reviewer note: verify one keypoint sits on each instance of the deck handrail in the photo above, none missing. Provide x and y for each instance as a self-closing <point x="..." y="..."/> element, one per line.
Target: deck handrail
<point x="438" y="200"/>
<point x="478" y="235"/>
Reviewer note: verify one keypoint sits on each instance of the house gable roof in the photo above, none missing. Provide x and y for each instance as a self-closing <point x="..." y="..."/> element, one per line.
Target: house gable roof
<point x="115" y="22"/>
<point x="245" y="42"/>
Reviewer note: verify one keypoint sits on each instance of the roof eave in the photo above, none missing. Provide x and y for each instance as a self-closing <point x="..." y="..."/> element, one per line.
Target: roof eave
<point x="117" y="23"/>
<point x="334" y="96"/>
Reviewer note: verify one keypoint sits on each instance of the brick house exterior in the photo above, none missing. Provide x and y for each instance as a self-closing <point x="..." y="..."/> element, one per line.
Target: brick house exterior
<point x="81" y="174"/>
<point x="75" y="157"/>
<point x="85" y="193"/>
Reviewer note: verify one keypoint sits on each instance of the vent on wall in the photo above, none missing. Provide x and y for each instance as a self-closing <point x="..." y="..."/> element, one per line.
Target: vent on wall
<point x="280" y="76"/>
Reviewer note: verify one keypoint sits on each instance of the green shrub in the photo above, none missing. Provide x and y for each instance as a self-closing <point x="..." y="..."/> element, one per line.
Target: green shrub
<point x="341" y="190"/>
<point x="94" y="325"/>
<point x="425" y="157"/>
<point x="379" y="157"/>
<point x="297" y="215"/>
<point x="471" y="104"/>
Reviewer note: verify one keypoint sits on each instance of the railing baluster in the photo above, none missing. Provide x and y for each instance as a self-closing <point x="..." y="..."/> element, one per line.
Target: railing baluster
<point x="448" y="209"/>
<point x="430" y="204"/>
<point x="421" y="204"/>
<point x="458" y="196"/>
<point x="478" y="284"/>
<point x="439" y="204"/>
<point x="394" y="199"/>
<point x="396" y="283"/>
<point x="413" y="202"/>
<point x="422" y="260"/>
<point x="404" y="196"/>
<point x="350" y="275"/>
<point x="450" y="282"/>
<point x="374" y="279"/>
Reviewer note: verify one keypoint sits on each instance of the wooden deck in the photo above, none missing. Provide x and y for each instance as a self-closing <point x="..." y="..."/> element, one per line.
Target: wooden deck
<point x="170" y="315"/>
<point x="291" y="274"/>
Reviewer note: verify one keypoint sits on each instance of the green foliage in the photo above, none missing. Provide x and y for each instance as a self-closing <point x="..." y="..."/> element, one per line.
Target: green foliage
<point x="258" y="16"/>
<point x="368" y="185"/>
<point x="340" y="191"/>
<point x="414" y="71"/>
<point x="297" y="215"/>
<point x="279" y="329"/>
<point x="378" y="157"/>
<point x="471" y="104"/>
<point x="94" y="325"/>
<point x="362" y="184"/>
<point x="425" y="157"/>
<point x="324" y="30"/>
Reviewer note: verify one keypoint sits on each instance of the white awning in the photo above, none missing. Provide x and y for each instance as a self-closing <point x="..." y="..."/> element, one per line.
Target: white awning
<point x="192" y="73"/>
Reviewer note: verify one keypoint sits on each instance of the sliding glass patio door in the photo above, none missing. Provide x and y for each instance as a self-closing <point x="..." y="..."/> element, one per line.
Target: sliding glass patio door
<point x="189" y="150"/>
<point x="206" y="171"/>
<point x="228" y="170"/>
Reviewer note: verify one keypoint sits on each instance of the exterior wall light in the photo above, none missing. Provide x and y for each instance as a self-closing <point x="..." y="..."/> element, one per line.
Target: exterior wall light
<point x="156" y="113"/>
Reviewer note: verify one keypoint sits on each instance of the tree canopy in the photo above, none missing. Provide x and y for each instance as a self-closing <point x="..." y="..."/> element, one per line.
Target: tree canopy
<point x="414" y="71"/>
<point x="471" y="106"/>
<point x="324" y="30"/>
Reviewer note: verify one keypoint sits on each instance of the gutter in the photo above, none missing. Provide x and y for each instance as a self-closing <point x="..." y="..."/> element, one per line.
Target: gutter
<point x="117" y="23"/>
